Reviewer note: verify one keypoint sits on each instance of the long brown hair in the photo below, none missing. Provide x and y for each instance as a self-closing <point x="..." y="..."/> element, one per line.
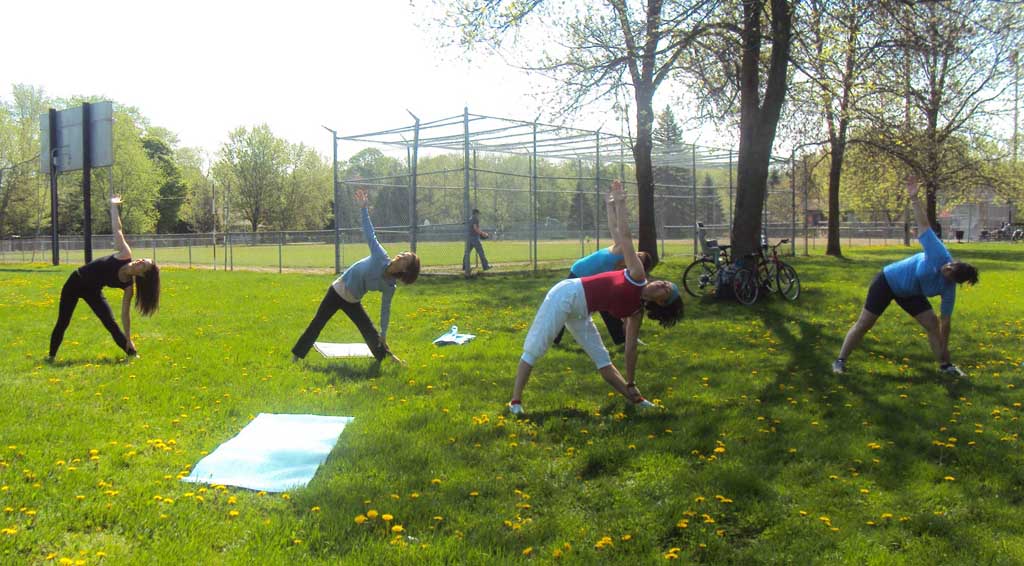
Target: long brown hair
<point x="147" y="291"/>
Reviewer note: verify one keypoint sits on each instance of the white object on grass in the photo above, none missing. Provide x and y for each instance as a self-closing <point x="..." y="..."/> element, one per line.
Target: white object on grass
<point x="453" y="337"/>
<point x="331" y="350"/>
<point x="272" y="453"/>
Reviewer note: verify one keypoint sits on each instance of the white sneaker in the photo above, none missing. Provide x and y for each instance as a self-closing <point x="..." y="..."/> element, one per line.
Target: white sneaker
<point x="516" y="409"/>
<point x="839" y="366"/>
<point x="645" y="404"/>
<point x="640" y="342"/>
<point x="951" y="369"/>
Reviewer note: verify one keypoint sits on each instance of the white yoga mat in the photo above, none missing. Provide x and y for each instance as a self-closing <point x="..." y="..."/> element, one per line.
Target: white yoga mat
<point x="272" y="453"/>
<point x="331" y="350"/>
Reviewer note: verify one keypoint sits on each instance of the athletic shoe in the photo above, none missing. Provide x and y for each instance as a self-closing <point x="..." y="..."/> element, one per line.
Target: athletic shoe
<point x="640" y="342"/>
<point x="951" y="369"/>
<point x="516" y="409"/>
<point x="839" y="366"/>
<point x="645" y="404"/>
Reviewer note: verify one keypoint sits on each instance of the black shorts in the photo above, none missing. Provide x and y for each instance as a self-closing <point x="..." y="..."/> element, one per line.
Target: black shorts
<point x="880" y="295"/>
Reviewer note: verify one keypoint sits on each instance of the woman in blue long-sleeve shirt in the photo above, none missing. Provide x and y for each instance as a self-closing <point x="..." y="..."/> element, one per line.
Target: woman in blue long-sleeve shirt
<point x="910" y="282"/>
<point x="376" y="272"/>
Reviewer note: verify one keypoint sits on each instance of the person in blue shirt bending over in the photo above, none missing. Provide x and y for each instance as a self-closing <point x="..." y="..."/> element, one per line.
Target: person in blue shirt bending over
<point x="910" y="282"/>
<point x="376" y="272"/>
<point x="604" y="260"/>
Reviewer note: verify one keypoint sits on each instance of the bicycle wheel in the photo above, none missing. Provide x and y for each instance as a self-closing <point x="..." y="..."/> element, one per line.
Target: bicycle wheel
<point x="787" y="282"/>
<point x="744" y="286"/>
<point x="700" y="277"/>
<point x="766" y="272"/>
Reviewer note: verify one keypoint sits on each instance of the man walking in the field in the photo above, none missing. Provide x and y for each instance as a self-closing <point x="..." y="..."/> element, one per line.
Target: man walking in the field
<point x="473" y="237"/>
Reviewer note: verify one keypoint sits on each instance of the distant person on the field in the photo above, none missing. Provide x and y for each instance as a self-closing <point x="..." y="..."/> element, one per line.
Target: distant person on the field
<point x="119" y="271"/>
<point x="601" y="261"/>
<point x="473" y="236"/>
<point x="376" y="272"/>
<point x="624" y="293"/>
<point x="910" y="282"/>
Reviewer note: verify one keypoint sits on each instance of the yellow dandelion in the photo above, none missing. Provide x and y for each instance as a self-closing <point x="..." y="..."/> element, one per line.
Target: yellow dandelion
<point x="528" y="551"/>
<point x="387" y="517"/>
<point x="397" y="529"/>
<point x="372" y="513"/>
<point x="360" y="519"/>
<point x="315" y="509"/>
<point x="436" y="481"/>
<point x="949" y="478"/>
<point x="232" y="513"/>
<point x="683" y="523"/>
<point x="474" y="493"/>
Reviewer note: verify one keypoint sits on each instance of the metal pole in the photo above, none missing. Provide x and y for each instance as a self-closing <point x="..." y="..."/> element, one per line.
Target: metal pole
<point x="792" y="190"/>
<point x="413" y="216"/>
<point x="579" y="201"/>
<point x="693" y="175"/>
<point x="465" y="183"/>
<point x="806" y="184"/>
<point x="597" y="190"/>
<point x="280" y="252"/>
<point x="213" y="211"/>
<point x="54" y="238"/>
<point x="227" y="224"/>
<point x="533" y="182"/>
<point x="476" y="256"/>
<point x="87" y="182"/>
<point x="730" y="196"/>
<point x="337" y="202"/>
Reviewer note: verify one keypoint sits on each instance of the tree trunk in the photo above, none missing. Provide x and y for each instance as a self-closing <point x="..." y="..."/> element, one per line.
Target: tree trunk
<point x="647" y="229"/>
<point x="758" y="122"/>
<point x="838" y="151"/>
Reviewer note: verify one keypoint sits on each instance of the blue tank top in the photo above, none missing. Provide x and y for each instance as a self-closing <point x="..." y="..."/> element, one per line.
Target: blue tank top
<point x="598" y="262"/>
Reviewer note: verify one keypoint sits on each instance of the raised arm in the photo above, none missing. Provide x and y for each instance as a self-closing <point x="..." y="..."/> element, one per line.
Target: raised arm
<point x="623" y="238"/>
<point x="613" y="222"/>
<point x="123" y="251"/>
<point x="919" y="212"/>
<point x="363" y="200"/>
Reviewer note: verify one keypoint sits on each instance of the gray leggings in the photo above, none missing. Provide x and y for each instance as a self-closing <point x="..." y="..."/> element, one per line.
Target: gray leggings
<point x="331" y="304"/>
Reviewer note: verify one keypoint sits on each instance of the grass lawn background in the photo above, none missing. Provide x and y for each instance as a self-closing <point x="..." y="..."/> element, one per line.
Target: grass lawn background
<point x="761" y="455"/>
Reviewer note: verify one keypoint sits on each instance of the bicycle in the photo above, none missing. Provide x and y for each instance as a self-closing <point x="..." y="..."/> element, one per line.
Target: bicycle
<point x="701" y="276"/>
<point x="771" y="274"/>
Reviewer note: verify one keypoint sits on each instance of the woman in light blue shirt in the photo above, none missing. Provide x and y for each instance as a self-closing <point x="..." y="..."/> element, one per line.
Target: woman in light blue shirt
<point x="376" y="272"/>
<point x="910" y="282"/>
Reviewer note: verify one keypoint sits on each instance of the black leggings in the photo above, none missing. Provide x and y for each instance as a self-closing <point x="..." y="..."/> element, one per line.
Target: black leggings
<point x="331" y="304"/>
<point x="614" y="324"/>
<point x="73" y="290"/>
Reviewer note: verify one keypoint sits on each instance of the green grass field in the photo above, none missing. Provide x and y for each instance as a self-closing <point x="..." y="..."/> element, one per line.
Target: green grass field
<point x="760" y="455"/>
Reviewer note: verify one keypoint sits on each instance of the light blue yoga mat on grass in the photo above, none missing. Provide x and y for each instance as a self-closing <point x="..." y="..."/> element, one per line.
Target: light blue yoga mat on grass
<point x="272" y="453"/>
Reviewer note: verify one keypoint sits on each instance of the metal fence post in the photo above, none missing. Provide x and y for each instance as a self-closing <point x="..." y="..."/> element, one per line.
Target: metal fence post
<point x="597" y="190"/>
<point x="414" y="219"/>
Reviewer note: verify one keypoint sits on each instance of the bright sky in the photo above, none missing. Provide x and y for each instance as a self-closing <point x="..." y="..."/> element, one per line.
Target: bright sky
<point x="203" y="68"/>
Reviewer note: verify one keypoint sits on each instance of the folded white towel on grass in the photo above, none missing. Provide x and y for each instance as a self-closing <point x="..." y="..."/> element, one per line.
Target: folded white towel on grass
<point x="272" y="453"/>
<point x="331" y="350"/>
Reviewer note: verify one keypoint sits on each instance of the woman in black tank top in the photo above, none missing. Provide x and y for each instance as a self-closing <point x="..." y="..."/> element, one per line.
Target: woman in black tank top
<point x="119" y="271"/>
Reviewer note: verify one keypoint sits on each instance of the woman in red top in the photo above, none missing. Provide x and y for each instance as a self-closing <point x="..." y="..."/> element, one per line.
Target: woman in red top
<point x="625" y="294"/>
<point x="119" y="271"/>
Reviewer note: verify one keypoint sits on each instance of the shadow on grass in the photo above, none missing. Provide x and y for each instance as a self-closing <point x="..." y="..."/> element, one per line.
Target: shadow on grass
<point x="76" y="362"/>
<point x="347" y="371"/>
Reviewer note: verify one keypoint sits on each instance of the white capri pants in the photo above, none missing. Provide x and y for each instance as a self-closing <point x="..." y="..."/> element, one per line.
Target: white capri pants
<point x="565" y="305"/>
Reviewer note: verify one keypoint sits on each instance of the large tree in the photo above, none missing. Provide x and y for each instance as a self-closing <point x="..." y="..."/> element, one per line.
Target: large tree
<point x="733" y="70"/>
<point x="942" y="90"/>
<point x="253" y="164"/>
<point x="836" y="43"/>
<point x="597" y="51"/>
